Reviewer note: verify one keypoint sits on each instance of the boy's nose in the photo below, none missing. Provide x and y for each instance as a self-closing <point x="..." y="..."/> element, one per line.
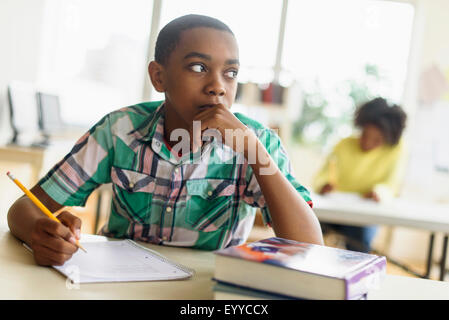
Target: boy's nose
<point x="215" y="88"/>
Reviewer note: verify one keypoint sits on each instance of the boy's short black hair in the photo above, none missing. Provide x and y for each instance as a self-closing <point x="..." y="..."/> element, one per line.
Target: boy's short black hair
<point x="169" y="36"/>
<point x="390" y="119"/>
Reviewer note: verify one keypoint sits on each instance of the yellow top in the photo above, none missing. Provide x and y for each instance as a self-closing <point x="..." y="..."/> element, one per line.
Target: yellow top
<point x="353" y="170"/>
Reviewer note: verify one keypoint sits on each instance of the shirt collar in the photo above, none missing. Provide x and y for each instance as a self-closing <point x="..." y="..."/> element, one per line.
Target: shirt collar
<point x="151" y="131"/>
<point x="147" y="129"/>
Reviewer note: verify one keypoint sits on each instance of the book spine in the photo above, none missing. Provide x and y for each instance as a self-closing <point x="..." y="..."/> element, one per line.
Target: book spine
<point x="368" y="278"/>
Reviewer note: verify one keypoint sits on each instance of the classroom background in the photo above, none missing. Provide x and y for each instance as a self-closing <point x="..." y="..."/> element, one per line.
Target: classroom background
<point x="305" y="66"/>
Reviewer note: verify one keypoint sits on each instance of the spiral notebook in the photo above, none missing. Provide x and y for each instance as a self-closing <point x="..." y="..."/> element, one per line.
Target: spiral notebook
<point x="121" y="261"/>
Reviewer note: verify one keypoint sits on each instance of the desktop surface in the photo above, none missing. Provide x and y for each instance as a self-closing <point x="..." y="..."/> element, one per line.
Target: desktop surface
<point x="22" y="279"/>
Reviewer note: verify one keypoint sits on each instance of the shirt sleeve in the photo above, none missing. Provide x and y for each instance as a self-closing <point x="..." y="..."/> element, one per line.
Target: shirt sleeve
<point x="84" y="168"/>
<point x="253" y="194"/>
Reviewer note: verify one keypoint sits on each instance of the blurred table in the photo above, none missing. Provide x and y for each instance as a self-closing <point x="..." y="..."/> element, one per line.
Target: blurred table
<point x="38" y="158"/>
<point x="351" y="209"/>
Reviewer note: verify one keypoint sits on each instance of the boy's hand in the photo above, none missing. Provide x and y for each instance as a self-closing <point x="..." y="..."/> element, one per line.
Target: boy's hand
<point x="326" y="188"/>
<point x="230" y="127"/>
<point x="53" y="243"/>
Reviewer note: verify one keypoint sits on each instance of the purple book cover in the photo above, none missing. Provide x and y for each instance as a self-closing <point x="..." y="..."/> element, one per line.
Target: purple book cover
<point x="360" y="271"/>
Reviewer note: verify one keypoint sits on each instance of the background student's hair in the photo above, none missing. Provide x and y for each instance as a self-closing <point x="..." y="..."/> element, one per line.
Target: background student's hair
<point x="169" y="35"/>
<point x="390" y="119"/>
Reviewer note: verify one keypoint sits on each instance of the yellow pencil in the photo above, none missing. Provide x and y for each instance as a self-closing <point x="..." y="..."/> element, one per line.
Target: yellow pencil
<point x="39" y="204"/>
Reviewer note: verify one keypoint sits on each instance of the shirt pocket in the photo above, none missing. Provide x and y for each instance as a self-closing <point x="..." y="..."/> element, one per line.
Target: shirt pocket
<point x="133" y="192"/>
<point x="209" y="203"/>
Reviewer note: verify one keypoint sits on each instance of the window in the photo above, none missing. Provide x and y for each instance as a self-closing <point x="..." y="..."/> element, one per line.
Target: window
<point x="343" y="53"/>
<point x="95" y="55"/>
<point x="256" y="34"/>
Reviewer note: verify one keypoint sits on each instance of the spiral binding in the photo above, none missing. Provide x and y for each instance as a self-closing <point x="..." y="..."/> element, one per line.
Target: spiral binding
<point x="164" y="259"/>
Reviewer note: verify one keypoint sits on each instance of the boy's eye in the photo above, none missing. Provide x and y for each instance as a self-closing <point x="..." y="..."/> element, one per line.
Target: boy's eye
<point x="197" y="68"/>
<point x="231" y="74"/>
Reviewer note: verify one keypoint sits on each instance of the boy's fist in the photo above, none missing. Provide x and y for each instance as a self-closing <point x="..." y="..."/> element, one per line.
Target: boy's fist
<point x="54" y="243"/>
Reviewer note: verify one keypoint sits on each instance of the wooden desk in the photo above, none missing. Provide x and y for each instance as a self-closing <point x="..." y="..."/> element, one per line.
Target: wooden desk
<point x="351" y="209"/>
<point x="21" y="278"/>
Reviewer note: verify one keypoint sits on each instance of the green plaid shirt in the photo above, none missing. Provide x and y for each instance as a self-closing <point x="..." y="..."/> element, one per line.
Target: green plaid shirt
<point x="205" y="200"/>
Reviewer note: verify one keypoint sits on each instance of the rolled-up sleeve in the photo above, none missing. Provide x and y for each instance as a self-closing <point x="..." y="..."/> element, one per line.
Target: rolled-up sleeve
<point x="84" y="168"/>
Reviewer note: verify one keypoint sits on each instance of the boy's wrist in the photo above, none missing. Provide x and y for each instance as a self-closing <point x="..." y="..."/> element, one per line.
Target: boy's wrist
<point x="257" y="156"/>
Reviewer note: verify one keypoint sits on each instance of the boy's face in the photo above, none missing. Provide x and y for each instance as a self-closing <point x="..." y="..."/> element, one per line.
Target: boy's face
<point x="201" y="71"/>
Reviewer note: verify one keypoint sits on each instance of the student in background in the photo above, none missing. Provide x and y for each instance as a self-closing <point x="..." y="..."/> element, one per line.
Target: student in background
<point x="370" y="164"/>
<point x="201" y="196"/>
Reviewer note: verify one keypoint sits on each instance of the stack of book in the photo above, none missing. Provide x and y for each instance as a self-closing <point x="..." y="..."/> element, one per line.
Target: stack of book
<point x="277" y="268"/>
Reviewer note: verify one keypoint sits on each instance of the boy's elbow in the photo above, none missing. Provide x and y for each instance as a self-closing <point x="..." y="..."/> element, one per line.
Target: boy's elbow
<point x="12" y="215"/>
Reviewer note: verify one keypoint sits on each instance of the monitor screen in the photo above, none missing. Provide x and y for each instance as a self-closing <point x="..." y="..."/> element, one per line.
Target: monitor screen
<point x="23" y="110"/>
<point x="49" y="113"/>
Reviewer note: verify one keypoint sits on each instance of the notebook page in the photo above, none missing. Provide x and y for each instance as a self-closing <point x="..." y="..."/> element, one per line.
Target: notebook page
<point x="116" y="261"/>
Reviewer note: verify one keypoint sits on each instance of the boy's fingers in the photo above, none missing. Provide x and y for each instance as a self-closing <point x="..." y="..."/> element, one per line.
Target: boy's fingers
<point x="46" y="256"/>
<point x="57" y="229"/>
<point x="57" y="244"/>
<point x="71" y="221"/>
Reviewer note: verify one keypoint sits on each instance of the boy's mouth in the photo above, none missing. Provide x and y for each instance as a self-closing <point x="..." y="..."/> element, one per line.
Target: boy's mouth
<point x="206" y="106"/>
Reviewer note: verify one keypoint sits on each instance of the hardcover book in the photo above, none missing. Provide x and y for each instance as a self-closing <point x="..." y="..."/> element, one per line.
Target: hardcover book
<point x="225" y="291"/>
<point x="299" y="270"/>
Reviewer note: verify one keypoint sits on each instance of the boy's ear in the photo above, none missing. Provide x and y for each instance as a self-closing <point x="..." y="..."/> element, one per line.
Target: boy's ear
<point x="156" y="73"/>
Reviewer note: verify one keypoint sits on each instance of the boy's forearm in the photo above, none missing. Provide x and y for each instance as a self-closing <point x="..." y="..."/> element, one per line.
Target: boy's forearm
<point x="21" y="218"/>
<point x="292" y="217"/>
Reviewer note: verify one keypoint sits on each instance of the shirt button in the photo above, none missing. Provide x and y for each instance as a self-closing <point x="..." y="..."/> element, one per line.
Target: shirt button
<point x="209" y="193"/>
<point x="158" y="143"/>
<point x="168" y="209"/>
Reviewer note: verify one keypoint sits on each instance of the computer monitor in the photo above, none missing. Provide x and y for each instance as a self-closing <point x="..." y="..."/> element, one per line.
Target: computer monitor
<point x="23" y="113"/>
<point x="50" y="121"/>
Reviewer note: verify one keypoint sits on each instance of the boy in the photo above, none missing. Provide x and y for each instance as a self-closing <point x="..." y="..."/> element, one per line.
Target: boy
<point x="192" y="196"/>
<point x="370" y="164"/>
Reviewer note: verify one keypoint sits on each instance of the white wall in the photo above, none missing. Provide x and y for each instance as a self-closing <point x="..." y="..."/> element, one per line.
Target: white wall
<point x="21" y="23"/>
<point x="433" y="34"/>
